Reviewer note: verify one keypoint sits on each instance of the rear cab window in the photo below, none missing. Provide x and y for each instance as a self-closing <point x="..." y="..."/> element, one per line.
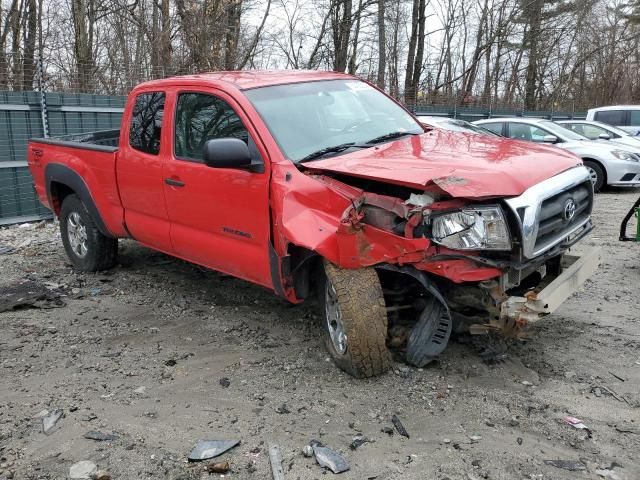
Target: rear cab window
<point x="146" y="122"/>
<point x="612" y="117"/>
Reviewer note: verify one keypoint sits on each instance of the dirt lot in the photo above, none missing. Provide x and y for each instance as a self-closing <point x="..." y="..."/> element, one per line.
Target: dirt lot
<point x="140" y="352"/>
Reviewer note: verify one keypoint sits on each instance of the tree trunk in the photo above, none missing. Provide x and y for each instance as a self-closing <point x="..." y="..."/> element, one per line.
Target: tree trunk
<point x="382" y="45"/>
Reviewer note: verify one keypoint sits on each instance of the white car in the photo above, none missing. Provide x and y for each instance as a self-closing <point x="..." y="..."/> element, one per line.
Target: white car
<point x="608" y="163"/>
<point x="601" y="131"/>
<point x="626" y="117"/>
<point x="454" y="125"/>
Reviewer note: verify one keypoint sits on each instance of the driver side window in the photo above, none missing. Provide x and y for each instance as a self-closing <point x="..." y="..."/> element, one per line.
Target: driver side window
<point x="201" y="117"/>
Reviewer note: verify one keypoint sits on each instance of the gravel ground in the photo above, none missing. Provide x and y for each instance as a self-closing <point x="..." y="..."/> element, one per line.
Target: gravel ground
<point x="162" y="353"/>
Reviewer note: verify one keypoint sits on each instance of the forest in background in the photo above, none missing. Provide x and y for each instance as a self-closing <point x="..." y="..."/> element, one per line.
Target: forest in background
<point x="539" y="54"/>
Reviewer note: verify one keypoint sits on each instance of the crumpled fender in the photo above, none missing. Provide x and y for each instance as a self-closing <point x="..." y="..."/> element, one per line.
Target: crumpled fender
<point x="318" y="213"/>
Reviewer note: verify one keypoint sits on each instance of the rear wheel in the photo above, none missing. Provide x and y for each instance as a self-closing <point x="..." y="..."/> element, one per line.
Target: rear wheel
<point x="597" y="175"/>
<point x="87" y="248"/>
<point x="354" y="320"/>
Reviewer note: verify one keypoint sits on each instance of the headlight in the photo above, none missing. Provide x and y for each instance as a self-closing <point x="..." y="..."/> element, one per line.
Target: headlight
<point x="624" y="155"/>
<point x="478" y="228"/>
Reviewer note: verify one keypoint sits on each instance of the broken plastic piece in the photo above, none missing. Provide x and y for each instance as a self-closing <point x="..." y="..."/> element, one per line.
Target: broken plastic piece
<point x="430" y="335"/>
<point x="275" y="458"/>
<point x="576" y="423"/>
<point x="206" y="449"/>
<point x="50" y="420"/>
<point x="99" y="436"/>
<point x="399" y="427"/>
<point x="327" y="458"/>
<point x="358" y="441"/>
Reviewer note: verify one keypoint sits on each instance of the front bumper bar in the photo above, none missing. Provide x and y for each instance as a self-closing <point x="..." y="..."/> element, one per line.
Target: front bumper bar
<point x="518" y="312"/>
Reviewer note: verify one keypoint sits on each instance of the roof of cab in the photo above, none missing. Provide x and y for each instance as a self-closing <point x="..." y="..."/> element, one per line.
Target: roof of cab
<point x="246" y="79"/>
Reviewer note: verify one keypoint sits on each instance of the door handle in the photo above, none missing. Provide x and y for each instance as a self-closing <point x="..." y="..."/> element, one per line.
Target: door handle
<point x="173" y="182"/>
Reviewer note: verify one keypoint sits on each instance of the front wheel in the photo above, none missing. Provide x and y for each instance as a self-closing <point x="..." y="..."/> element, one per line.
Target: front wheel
<point x="597" y="175"/>
<point x="87" y="248"/>
<point x="354" y="320"/>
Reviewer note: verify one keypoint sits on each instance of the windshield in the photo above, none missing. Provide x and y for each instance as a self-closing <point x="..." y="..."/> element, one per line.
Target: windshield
<point x="309" y="117"/>
<point x="562" y="131"/>
<point x="462" y="126"/>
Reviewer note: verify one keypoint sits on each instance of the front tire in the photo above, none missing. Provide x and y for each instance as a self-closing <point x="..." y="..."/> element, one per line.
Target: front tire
<point x="597" y="175"/>
<point x="87" y="248"/>
<point x="354" y="319"/>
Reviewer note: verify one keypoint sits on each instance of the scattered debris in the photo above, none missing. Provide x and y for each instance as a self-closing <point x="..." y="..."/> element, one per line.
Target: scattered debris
<point x="170" y="363"/>
<point x="387" y="430"/>
<point x="358" y="441"/>
<point x="399" y="427"/>
<point x="275" y="458"/>
<point x="101" y="475"/>
<point x="571" y="465"/>
<point x="327" y="458"/>
<point x="618" y="377"/>
<point x="218" y="467"/>
<point x="577" y="423"/>
<point x="599" y="391"/>
<point x="5" y="249"/>
<point x="26" y="294"/>
<point x="99" y="436"/>
<point x="605" y="473"/>
<point x="307" y="451"/>
<point x="83" y="470"/>
<point x="49" y="421"/>
<point x="206" y="449"/>
<point x="225" y="382"/>
<point x="283" y="409"/>
<point x="446" y="441"/>
<point x="475" y="438"/>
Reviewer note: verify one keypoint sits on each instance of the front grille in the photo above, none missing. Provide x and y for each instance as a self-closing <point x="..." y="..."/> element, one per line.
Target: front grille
<point x="540" y="210"/>
<point x="555" y="221"/>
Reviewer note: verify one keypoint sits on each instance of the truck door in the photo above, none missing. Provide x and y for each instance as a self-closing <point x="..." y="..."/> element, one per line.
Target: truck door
<point x="139" y="171"/>
<point x="219" y="216"/>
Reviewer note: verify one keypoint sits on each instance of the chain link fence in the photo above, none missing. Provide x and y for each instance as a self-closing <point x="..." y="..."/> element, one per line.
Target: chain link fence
<point x="51" y="98"/>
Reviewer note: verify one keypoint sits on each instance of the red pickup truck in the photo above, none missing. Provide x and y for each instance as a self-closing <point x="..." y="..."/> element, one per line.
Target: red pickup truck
<point x="318" y="182"/>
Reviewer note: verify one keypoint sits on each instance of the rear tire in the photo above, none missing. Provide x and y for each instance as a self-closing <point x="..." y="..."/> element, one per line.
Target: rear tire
<point x="354" y="320"/>
<point x="87" y="248"/>
<point x="597" y="175"/>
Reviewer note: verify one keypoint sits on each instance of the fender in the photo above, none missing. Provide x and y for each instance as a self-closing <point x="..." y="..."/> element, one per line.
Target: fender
<point x="56" y="172"/>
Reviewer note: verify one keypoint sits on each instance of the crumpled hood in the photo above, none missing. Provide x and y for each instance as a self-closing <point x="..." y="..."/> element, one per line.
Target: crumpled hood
<point x="461" y="164"/>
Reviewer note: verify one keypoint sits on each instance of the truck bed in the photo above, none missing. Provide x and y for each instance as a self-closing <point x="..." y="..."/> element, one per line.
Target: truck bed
<point x="103" y="140"/>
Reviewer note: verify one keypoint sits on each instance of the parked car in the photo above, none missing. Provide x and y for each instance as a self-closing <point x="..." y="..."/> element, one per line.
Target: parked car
<point x="608" y="163"/>
<point x="453" y="125"/>
<point x="602" y="131"/>
<point x="626" y="117"/>
<point x="308" y="182"/>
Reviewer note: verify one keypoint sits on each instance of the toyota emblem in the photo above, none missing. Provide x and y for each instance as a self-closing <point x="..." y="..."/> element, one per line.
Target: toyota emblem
<point x="569" y="210"/>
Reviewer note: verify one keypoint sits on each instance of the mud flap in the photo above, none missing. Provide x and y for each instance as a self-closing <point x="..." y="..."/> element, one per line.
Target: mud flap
<point x="430" y="336"/>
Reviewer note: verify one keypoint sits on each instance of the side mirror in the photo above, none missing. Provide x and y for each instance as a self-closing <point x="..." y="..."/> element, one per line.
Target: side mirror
<point x="604" y="136"/>
<point x="227" y="153"/>
<point x="550" y="139"/>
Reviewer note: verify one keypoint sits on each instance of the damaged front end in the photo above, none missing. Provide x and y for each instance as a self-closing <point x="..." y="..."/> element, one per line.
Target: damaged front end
<point x="445" y="262"/>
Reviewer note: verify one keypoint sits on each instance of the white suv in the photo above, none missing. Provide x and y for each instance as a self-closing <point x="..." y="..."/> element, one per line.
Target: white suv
<point x="626" y="117"/>
<point x="607" y="162"/>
